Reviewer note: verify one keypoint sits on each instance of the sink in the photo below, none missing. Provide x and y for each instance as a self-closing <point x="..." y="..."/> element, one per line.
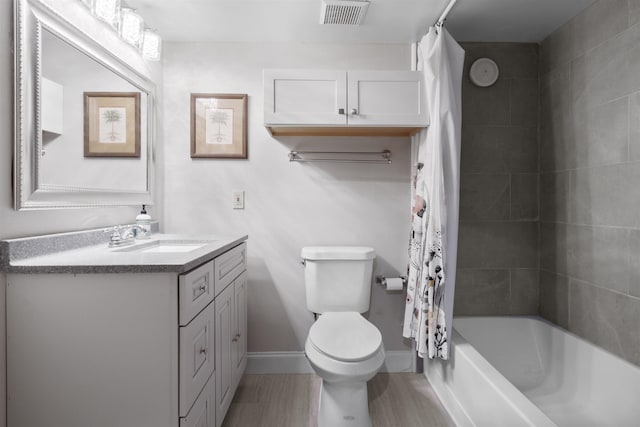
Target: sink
<point x="165" y="246"/>
<point x="173" y="247"/>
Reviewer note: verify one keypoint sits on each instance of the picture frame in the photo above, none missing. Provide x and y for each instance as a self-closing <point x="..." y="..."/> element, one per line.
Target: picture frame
<point x="219" y="125"/>
<point x="111" y="124"/>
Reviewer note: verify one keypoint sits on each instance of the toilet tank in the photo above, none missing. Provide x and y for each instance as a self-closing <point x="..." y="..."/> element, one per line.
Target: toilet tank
<point x="338" y="278"/>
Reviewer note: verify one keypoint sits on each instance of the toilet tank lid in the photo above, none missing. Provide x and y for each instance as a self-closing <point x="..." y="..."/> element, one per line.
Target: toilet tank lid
<point x="338" y="252"/>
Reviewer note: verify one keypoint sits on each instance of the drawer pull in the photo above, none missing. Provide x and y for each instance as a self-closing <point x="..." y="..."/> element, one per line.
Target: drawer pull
<point x="203" y="350"/>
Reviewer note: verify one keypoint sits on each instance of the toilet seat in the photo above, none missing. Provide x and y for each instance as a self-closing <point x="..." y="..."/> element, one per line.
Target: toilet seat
<point x="345" y="336"/>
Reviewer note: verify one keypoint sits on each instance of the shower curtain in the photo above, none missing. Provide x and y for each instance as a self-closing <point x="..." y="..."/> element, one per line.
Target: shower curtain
<point x="433" y="242"/>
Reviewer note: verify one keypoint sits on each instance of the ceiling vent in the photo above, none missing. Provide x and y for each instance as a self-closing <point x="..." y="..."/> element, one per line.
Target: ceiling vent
<point x="343" y="12"/>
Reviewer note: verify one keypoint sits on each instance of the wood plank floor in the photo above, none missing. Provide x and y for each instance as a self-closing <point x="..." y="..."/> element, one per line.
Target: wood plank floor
<point x="395" y="400"/>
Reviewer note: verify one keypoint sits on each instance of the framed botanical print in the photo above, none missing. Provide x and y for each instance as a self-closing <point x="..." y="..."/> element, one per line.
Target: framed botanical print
<point x="219" y="125"/>
<point x="112" y="124"/>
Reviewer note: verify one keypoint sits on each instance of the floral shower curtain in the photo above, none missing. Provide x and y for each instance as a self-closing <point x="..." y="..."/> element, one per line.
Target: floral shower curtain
<point x="436" y="186"/>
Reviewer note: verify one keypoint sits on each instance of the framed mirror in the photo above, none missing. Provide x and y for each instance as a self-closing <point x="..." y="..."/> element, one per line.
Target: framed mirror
<point x="84" y="119"/>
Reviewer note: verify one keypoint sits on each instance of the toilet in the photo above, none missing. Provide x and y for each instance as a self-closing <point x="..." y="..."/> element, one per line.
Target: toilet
<point x="343" y="347"/>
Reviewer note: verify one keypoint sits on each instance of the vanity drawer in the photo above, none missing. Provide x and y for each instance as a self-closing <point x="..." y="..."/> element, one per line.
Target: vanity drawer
<point x="197" y="358"/>
<point x="202" y="414"/>
<point x="196" y="290"/>
<point x="229" y="265"/>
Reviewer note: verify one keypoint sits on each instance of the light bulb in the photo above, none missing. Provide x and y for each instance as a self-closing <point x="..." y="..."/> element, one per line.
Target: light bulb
<point x="131" y="26"/>
<point x="108" y="11"/>
<point x="151" y="45"/>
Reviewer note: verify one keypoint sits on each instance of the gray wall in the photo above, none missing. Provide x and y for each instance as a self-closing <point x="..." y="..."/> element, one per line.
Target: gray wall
<point x="498" y="240"/>
<point x="590" y="176"/>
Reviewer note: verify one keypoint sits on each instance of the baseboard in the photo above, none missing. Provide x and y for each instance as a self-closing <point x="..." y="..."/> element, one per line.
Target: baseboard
<point x="295" y="362"/>
<point x="278" y="362"/>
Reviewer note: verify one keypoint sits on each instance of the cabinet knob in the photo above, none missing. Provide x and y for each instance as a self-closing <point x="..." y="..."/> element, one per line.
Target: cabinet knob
<point x="236" y="338"/>
<point x="354" y="111"/>
<point x="202" y="288"/>
<point x="340" y="110"/>
<point x="203" y="350"/>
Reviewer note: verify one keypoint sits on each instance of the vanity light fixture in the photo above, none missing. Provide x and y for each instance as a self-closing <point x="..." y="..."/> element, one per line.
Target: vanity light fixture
<point x="108" y="11"/>
<point x="131" y="27"/>
<point x="151" y="45"/>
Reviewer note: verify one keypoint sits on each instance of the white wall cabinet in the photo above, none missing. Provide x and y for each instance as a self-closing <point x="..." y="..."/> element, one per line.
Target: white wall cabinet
<point x="329" y="102"/>
<point x="127" y="349"/>
<point x="52" y="107"/>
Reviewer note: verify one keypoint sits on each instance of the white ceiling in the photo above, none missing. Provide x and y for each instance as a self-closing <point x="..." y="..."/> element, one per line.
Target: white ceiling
<point x="387" y="21"/>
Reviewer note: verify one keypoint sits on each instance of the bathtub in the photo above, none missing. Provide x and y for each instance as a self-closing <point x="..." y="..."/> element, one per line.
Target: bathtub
<point x="521" y="371"/>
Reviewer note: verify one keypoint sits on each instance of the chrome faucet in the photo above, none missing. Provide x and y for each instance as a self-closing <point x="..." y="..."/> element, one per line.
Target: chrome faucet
<point x="123" y="235"/>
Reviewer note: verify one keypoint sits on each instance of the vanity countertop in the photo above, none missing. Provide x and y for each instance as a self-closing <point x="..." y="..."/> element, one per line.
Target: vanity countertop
<point x="99" y="258"/>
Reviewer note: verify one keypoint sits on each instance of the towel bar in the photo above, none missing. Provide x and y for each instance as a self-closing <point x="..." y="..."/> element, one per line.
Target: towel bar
<point x="340" y="156"/>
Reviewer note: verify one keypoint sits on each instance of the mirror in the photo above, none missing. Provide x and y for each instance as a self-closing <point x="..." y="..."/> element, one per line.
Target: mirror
<point x="84" y="118"/>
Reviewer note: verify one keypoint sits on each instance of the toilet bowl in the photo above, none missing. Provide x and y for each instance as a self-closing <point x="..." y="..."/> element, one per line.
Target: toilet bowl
<point x="346" y="351"/>
<point x="342" y="347"/>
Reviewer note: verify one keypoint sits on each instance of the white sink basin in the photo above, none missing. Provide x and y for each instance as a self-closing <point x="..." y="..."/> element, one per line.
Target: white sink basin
<point x="166" y="246"/>
<point x="173" y="247"/>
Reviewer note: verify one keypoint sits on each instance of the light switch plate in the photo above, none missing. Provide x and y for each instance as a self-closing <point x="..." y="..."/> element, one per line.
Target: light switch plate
<point x="238" y="199"/>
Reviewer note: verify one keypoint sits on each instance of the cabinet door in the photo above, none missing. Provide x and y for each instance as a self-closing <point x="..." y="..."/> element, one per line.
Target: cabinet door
<point x="309" y="97"/>
<point x="239" y="341"/>
<point x="224" y="362"/>
<point x="386" y="98"/>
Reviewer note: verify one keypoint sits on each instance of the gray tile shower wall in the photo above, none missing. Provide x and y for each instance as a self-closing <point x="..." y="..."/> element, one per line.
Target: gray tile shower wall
<point x="498" y="238"/>
<point x="590" y="176"/>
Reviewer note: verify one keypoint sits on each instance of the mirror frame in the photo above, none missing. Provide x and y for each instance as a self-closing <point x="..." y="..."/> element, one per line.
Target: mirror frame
<point x="30" y="17"/>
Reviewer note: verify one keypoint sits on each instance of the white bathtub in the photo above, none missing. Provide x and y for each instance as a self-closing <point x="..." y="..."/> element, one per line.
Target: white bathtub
<point x="519" y="371"/>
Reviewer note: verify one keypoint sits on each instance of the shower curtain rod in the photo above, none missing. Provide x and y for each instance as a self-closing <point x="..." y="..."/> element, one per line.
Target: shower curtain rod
<point x="443" y="17"/>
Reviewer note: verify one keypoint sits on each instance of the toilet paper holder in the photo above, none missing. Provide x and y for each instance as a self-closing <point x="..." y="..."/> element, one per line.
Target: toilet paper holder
<point x="382" y="280"/>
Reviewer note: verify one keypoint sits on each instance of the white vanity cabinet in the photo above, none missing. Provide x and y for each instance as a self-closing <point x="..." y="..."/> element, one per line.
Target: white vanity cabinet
<point x="343" y="102"/>
<point x="132" y="349"/>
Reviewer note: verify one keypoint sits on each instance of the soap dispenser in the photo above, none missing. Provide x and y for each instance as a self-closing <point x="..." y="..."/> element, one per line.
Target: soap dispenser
<point x="143" y="221"/>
